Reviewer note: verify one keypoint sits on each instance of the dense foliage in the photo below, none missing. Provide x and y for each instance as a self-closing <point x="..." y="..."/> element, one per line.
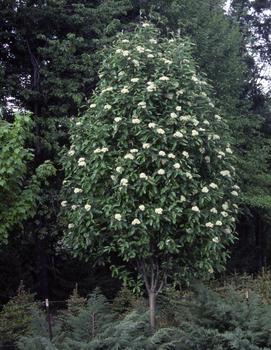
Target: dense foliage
<point x="19" y="190"/>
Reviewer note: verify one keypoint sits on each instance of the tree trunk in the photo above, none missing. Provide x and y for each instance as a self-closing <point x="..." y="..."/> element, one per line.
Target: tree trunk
<point x="152" y="306"/>
<point x="42" y="272"/>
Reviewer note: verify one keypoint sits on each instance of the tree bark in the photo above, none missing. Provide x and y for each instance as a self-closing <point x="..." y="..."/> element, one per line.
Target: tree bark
<point x="152" y="307"/>
<point x="42" y="269"/>
<point x="154" y="280"/>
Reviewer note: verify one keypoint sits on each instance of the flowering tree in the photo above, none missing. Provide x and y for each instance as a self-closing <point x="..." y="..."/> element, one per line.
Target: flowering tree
<point x="149" y="175"/>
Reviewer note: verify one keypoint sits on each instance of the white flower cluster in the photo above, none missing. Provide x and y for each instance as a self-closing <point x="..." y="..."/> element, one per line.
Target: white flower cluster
<point x="185" y="154"/>
<point x="158" y="211"/>
<point x="234" y="193"/>
<point x="182" y="199"/>
<point x="160" y="131"/>
<point x="151" y="125"/>
<point x="124" y="53"/>
<point x="124" y="182"/>
<point x="161" y="172"/>
<point x="140" y="49"/>
<point x="129" y="156"/>
<point x="225" y="173"/>
<point x="151" y="86"/>
<point x="178" y="134"/>
<point x="164" y="78"/>
<point x="142" y="104"/>
<point x="125" y="90"/>
<point x="118" y="217"/>
<point x="205" y="189"/>
<point x="185" y="118"/>
<point x="119" y="169"/>
<point x="110" y="88"/>
<point x="179" y="92"/>
<point x="213" y="185"/>
<point x="213" y="137"/>
<point x="136" y="121"/>
<point x="101" y="150"/>
<point x="136" y="63"/>
<point x="82" y="162"/>
<point x="195" y="209"/>
<point x="228" y="150"/>
<point x="143" y="176"/>
<point x="221" y="154"/>
<point x="87" y="207"/>
<point x="166" y="61"/>
<point x="225" y="206"/>
<point x="107" y="107"/>
<point x="195" y="133"/>
<point x="173" y="115"/>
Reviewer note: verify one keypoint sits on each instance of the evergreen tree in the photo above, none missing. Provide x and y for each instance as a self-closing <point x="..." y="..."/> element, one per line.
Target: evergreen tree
<point x="15" y="317"/>
<point x="203" y="320"/>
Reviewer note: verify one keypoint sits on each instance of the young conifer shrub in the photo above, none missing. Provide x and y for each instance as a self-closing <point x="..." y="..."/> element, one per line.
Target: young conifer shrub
<point x="16" y="316"/>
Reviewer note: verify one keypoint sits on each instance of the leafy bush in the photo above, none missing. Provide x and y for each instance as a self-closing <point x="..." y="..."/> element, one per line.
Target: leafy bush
<point x="19" y="189"/>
